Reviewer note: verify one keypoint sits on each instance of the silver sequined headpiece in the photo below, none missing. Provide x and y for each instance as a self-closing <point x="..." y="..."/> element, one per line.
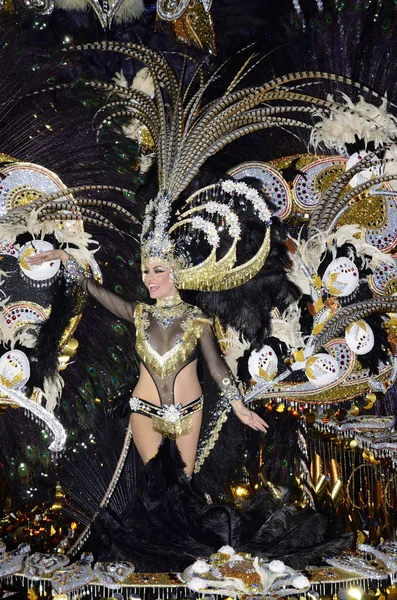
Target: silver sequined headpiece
<point x="155" y="239"/>
<point x="209" y="212"/>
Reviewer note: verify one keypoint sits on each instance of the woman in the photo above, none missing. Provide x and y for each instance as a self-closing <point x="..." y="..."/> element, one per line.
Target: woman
<point x="165" y="395"/>
<point x="165" y="524"/>
<point x="218" y="239"/>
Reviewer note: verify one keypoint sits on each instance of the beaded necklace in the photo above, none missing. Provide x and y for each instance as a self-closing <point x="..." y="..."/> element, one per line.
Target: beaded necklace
<point x="167" y="310"/>
<point x="192" y="322"/>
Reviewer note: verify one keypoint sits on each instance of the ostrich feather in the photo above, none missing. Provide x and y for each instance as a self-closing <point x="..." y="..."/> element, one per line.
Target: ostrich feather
<point x="5" y="333"/>
<point x="311" y="250"/>
<point x="119" y="79"/>
<point x="363" y="120"/>
<point x="79" y="5"/>
<point x="130" y="10"/>
<point x="352" y="234"/>
<point x="26" y="336"/>
<point x="52" y="390"/>
<point x="287" y="329"/>
<point x="298" y="277"/>
<point x="146" y="162"/>
<point x="143" y="82"/>
<point x="235" y="349"/>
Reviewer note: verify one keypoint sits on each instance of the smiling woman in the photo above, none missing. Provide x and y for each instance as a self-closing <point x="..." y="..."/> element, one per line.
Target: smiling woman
<point x="179" y="424"/>
<point x="212" y="241"/>
<point x="157" y="277"/>
<point x="170" y="335"/>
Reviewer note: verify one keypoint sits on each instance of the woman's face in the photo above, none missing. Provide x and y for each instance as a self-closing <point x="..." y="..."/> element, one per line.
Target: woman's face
<point x="156" y="277"/>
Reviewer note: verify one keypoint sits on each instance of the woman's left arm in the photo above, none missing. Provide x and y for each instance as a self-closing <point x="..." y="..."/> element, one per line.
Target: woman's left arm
<point x="225" y="380"/>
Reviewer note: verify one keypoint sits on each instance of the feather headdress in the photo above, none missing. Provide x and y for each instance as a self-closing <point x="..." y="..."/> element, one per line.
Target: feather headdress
<point x="186" y="131"/>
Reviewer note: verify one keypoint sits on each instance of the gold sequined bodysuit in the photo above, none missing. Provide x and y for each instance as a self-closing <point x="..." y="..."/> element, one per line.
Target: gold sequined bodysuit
<point x="169" y="336"/>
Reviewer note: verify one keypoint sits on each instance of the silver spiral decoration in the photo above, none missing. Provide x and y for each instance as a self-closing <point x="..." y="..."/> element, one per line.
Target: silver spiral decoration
<point x="42" y="7"/>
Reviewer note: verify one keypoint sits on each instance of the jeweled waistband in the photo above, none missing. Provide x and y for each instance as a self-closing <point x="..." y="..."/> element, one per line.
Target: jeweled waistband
<point x="171" y="420"/>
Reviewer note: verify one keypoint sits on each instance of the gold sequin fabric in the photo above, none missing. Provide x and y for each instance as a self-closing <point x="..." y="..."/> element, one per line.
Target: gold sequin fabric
<point x="191" y="322"/>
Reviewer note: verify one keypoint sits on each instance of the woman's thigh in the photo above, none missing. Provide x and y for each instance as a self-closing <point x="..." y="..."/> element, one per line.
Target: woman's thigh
<point x="187" y="444"/>
<point x="146" y="440"/>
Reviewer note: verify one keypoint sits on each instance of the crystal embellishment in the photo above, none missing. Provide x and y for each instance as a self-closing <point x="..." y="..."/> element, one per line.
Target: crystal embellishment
<point x="112" y="575"/>
<point x="171" y="413"/>
<point x="135" y="404"/>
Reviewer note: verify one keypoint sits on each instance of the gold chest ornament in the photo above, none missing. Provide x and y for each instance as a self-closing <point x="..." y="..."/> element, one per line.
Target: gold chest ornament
<point x="192" y="321"/>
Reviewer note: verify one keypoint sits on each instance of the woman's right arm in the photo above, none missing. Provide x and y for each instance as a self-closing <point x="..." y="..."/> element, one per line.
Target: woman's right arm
<point x="113" y="302"/>
<point x="74" y="273"/>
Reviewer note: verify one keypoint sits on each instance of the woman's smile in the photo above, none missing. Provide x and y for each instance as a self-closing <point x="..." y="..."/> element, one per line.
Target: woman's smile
<point x="156" y="276"/>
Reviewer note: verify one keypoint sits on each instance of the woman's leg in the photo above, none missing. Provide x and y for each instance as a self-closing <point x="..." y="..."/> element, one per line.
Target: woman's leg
<point x="146" y="440"/>
<point x="187" y="444"/>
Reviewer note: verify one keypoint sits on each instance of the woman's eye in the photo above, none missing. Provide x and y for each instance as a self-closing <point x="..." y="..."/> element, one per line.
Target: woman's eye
<point x="159" y="271"/>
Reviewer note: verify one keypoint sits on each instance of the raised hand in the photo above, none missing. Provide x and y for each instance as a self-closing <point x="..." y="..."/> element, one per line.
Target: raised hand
<point x="48" y="255"/>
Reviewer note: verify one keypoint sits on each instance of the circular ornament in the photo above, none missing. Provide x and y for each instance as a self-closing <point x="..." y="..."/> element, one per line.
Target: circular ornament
<point x="341" y="277"/>
<point x="322" y="369"/>
<point x="44" y="273"/>
<point x="262" y="364"/>
<point x="20" y="314"/>
<point x="360" y="337"/>
<point x="23" y="183"/>
<point x="14" y="369"/>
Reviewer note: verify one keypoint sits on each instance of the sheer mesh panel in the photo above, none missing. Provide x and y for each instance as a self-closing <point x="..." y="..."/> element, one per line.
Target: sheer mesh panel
<point x="117" y="305"/>
<point x="163" y="340"/>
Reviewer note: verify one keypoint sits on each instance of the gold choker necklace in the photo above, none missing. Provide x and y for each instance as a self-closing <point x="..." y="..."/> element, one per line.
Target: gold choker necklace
<point x="169" y="302"/>
<point x="167" y="310"/>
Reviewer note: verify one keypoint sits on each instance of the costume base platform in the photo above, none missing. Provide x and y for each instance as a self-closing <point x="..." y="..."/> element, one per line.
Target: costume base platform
<point x="327" y="583"/>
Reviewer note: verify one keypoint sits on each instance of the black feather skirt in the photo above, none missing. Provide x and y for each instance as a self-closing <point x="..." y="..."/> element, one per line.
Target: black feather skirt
<point x="168" y="524"/>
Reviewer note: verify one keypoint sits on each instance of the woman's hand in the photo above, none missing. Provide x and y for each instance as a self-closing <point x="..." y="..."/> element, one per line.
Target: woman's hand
<point x="249" y="417"/>
<point x="42" y="257"/>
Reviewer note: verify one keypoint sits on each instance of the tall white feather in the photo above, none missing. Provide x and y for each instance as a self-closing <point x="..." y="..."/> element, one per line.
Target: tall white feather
<point x="235" y="348"/>
<point x="52" y="390"/>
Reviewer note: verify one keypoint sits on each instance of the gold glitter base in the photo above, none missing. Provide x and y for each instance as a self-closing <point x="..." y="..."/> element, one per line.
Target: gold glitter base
<point x="196" y="27"/>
